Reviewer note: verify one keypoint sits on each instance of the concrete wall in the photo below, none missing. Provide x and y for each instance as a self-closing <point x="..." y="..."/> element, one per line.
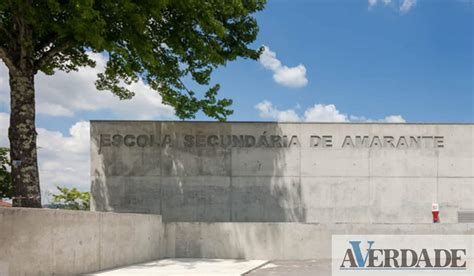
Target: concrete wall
<point x="60" y="242"/>
<point x="297" y="183"/>
<point x="57" y="242"/>
<point x="282" y="241"/>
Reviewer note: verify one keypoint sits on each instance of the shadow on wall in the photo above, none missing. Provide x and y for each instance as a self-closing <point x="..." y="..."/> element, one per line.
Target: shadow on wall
<point x="211" y="172"/>
<point x="224" y="240"/>
<point x="126" y="166"/>
<point x="231" y="172"/>
<point x="251" y="241"/>
<point x="266" y="183"/>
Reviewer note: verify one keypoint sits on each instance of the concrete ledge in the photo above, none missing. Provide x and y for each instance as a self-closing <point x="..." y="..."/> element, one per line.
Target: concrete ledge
<point x="280" y="241"/>
<point x="61" y="242"/>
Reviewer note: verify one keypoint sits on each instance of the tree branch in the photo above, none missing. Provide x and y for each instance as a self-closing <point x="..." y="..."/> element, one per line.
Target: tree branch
<point x="47" y="41"/>
<point x="7" y="33"/>
<point x="7" y="59"/>
<point x="50" y="54"/>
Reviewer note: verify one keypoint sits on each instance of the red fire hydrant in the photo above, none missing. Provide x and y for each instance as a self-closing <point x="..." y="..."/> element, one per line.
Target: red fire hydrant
<point x="435" y="212"/>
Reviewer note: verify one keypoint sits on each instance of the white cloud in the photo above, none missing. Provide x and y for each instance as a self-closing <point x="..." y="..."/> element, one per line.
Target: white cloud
<point x="407" y="5"/>
<point x="372" y="3"/>
<point x="268" y="111"/>
<point x="394" y="119"/>
<point x="282" y="74"/>
<point x="53" y="109"/>
<point x="64" y="94"/>
<point x="317" y="113"/>
<point x="324" y="113"/>
<point x="63" y="160"/>
<point x="4" y="123"/>
<point x="387" y="119"/>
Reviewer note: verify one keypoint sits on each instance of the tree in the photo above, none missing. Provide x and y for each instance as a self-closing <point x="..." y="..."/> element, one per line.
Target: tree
<point x="6" y="189"/>
<point x="72" y="199"/>
<point x="161" y="42"/>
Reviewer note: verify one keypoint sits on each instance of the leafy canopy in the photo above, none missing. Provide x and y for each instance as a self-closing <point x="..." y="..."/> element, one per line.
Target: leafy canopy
<point x="72" y="199"/>
<point x="159" y="41"/>
<point x="6" y="188"/>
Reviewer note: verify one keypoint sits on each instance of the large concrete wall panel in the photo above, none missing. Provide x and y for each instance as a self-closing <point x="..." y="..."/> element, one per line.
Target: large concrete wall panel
<point x="455" y="195"/>
<point x="68" y="243"/>
<point x="196" y="198"/>
<point x="419" y="160"/>
<point x="108" y="193"/>
<point x="267" y="199"/>
<point x="125" y="194"/>
<point x="336" y="199"/>
<point x="120" y="149"/>
<point x="456" y="161"/>
<point x="196" y="159"/>
<point x="404" y="163"/>
<point x="402" y="199"/>
<point x="322" y="153"/>
<point x="130" y="239"/>
<point x="284" y="172"/>
<point x="276" y="151"/>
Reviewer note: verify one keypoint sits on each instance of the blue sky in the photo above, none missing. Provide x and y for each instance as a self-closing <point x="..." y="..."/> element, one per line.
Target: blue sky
<point x="341" y="60"/>
<point x="369" y="62"/>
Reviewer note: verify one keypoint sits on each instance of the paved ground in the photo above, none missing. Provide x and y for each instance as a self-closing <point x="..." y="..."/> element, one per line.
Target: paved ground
<point x="187" y="267"/>
<point x="221" y="267"/>
<point x="294" y="268"/>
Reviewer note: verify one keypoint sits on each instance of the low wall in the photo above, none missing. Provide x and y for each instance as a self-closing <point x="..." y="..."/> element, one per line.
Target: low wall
<point x="61" y="242"/>
<point x="281" y="241"/>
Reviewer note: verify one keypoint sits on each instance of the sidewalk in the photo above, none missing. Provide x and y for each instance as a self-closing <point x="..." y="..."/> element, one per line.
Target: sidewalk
<point x="294" y="268"/>
<point x="187" y="267"/>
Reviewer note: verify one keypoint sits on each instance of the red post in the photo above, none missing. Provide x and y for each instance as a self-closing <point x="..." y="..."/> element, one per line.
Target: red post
<point x="435" y="212"/>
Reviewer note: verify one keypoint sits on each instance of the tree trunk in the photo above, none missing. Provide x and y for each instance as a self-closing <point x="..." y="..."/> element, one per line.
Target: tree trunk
<point x="22" y="135"/>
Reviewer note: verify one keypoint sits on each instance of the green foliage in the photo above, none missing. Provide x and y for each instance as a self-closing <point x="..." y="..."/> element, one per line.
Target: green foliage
<point x="162" y="42"/>
<point x="72" y="199"/>
<point x="6" y="188"/>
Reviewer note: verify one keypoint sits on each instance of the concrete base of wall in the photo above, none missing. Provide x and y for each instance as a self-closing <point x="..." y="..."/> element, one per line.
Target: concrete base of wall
<point x="59" y="242"/>
<point x="280" y="241"/>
